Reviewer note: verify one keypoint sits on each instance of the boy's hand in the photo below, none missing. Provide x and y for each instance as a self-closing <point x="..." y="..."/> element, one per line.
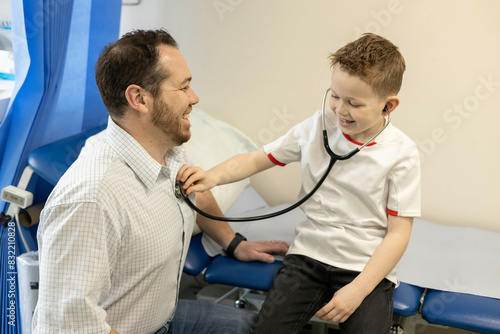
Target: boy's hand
<point x="195" y="179"/>
<point x="344" y="302"/>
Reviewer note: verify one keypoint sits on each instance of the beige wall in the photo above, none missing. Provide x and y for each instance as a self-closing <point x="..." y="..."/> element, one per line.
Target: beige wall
<point x="262" y="66"/>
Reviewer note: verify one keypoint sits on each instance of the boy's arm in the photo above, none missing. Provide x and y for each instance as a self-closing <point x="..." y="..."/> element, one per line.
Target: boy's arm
<point x="346" y="300"/>
<point x="235" y="169"/>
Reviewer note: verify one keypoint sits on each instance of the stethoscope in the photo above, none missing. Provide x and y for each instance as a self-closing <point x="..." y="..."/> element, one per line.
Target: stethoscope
<point x="179" y="191"/>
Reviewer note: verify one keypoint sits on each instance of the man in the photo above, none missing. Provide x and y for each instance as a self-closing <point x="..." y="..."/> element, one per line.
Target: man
<point x="113" y="237"/>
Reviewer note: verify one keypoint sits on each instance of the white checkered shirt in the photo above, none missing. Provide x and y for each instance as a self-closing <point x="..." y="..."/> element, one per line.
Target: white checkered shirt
<point x="112" y="239"/>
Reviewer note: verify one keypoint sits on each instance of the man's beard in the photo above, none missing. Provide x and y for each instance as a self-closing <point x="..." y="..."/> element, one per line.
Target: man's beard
<point x="170" y="124"/>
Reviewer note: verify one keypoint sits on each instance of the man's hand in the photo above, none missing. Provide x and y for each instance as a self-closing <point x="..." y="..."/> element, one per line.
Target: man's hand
<point x="260" y="250"/>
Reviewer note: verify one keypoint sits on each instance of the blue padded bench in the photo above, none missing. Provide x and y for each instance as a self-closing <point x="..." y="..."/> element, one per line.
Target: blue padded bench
<point x="250" y="275"/>
<point x="461" y="310"/>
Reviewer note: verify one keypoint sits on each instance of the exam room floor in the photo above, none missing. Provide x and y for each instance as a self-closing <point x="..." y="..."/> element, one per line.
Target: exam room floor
<point x="197" y="288"/>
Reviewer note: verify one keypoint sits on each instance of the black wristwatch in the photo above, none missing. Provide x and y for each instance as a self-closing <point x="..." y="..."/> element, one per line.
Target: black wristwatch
<point x="234" y="243"/>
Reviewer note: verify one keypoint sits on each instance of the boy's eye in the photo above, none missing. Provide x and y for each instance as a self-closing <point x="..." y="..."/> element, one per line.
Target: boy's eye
<point x="353" y="104"/>
<point x="335" y="97"/>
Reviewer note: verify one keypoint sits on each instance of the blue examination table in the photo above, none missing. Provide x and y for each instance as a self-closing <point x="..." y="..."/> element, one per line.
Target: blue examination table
<point x="259" y="276"/>
<point x="456" y="309"/>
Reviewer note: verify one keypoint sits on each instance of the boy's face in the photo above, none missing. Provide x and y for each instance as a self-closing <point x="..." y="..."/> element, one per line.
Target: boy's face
<point x="357" y="107"/>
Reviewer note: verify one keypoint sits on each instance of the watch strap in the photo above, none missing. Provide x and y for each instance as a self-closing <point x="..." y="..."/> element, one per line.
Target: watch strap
<point x="238" y="238"/>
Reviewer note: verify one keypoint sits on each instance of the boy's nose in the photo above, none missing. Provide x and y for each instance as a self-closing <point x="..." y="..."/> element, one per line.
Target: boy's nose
<point x="340" y="110"/>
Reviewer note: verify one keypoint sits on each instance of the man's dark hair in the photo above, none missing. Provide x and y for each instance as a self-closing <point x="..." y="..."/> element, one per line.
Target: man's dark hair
<point x="133" y="59"/>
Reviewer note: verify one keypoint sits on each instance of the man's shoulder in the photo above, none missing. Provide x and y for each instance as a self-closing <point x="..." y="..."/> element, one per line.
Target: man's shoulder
<point x="84" y="179"/>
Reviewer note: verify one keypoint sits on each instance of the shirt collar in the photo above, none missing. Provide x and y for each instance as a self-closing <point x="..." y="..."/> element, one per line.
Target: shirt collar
<point x="139" y="160"/>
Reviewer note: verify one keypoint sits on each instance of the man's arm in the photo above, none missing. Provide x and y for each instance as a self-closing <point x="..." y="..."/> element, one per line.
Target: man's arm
<point x="223" y="234"/>
<point x="74" y="258"/>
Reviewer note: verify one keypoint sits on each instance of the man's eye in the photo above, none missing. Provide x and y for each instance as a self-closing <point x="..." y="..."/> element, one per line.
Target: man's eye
<point x="185" y="88"/>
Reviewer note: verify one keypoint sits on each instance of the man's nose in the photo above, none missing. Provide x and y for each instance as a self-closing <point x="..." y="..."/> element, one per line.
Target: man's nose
<point x="193" y="98"/>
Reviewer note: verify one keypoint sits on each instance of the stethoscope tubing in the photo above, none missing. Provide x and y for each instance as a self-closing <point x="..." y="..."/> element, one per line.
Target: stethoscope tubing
<point x="261" y="217"/>
<point x="333" y="159"/>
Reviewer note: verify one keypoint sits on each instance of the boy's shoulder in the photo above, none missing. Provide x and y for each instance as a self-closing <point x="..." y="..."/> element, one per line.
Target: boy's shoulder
<point x="397" y="136"/>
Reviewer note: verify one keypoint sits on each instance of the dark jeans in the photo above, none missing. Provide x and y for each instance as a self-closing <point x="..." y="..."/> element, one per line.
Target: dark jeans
<point x="303" y="286"/>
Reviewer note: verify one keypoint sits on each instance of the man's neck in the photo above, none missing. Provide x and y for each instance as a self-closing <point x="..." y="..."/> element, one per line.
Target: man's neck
<point x="153" y="140"/>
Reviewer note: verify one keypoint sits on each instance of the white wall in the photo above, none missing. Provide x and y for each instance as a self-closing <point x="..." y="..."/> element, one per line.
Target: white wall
<point x="262" y="66"/>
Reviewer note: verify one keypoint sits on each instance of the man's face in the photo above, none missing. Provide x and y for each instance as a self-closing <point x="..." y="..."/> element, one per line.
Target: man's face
<point x="175" y="97"/>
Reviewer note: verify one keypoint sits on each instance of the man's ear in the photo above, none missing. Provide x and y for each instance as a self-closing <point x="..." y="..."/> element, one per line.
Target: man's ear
<point x="138" y="98"/>
<point x="391" y="103"/>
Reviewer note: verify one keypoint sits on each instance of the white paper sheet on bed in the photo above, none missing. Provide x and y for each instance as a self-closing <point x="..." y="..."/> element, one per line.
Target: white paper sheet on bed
<point x="451" y="258"/>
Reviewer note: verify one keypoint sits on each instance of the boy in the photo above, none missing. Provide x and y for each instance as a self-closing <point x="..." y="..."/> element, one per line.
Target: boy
<point x="341" y="266"/>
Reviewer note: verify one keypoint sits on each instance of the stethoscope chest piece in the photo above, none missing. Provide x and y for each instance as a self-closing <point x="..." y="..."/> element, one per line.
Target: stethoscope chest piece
<point x="177" y="191"/>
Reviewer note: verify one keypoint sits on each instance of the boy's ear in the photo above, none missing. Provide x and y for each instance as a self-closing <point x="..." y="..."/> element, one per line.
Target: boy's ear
<point x="138" y="98"/>
<point x="391" y="103"/>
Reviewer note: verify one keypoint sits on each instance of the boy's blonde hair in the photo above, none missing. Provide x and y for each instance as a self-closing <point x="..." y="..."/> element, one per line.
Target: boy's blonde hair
<point x="374" y="60"/>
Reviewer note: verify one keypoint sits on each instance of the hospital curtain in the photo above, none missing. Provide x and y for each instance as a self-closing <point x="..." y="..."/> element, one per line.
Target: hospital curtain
<point x="56" y="43"/>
